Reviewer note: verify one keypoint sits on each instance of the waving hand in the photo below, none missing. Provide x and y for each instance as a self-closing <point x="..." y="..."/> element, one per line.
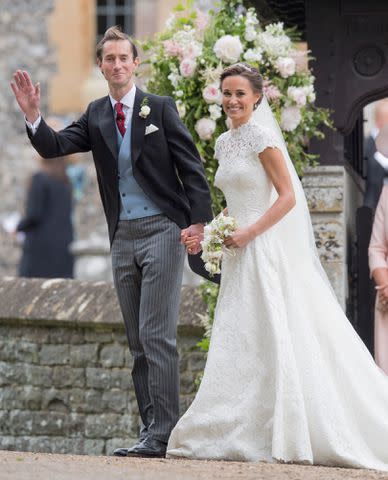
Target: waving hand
<point x="27" y="95"/>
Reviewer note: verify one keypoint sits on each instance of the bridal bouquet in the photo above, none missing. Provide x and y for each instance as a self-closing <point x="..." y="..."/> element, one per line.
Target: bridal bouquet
<point x="212" y="244"/>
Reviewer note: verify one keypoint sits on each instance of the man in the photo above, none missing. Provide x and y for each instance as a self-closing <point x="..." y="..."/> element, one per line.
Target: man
<point x="377" y="164"/>
<point x="152" y="184"/>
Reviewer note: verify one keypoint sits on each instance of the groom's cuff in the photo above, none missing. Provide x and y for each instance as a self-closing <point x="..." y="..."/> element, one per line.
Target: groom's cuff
<point x="33" y="126"/>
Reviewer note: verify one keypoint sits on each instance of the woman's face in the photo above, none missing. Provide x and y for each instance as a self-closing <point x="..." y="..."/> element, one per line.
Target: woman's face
<point x="238" y="99"/>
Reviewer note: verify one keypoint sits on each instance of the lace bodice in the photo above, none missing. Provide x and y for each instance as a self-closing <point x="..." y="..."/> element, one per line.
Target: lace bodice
<point x="240" y="175"/>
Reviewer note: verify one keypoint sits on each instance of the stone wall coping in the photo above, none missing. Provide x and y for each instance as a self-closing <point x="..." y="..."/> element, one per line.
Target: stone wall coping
<point x="78" y="303"/>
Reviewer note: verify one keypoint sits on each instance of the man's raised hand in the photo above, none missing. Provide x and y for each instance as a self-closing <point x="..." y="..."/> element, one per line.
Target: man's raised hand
<point x="27" y="95"/>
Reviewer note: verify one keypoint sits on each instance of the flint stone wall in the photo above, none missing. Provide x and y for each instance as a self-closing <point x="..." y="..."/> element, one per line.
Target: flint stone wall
<point x="333" y="197"/>
<point x="65" y="382"/>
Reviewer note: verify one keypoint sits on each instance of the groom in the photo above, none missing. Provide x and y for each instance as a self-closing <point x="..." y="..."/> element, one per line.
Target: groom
<point x="152" y="185"/>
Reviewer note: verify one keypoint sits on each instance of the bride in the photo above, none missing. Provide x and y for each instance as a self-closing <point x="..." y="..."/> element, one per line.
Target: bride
<point x="287" y="378"/>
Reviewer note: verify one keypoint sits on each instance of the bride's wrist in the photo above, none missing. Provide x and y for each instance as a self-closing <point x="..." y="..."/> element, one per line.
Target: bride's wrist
<point x="253" y="231"/>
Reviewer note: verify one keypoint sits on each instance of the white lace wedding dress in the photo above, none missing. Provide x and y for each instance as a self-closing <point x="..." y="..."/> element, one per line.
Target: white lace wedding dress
<point x="287" y="378"/>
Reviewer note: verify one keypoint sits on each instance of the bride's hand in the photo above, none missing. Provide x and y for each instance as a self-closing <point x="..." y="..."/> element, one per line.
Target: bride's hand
<point x="239" y="238"/>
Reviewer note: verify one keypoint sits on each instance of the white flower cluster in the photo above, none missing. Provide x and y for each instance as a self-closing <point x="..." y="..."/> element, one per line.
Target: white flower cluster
<point x="301" y="95"/>
<point x="274" y="42"/>
<point x="212" y="244"/>
<point x="251" y="23"/>
<point x="269" y="48"/>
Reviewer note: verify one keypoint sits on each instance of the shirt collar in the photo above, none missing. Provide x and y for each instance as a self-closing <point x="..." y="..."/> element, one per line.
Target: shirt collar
<point x="374" y="132"/>
<point x="128" y="99"/>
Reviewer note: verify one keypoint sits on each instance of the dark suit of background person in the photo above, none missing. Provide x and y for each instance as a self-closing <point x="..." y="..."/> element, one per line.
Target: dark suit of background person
<point x="376" y="172"/>
<point x="147" y="257"/>
<point x="47" y="224"/>
<point x="375" y="175"/>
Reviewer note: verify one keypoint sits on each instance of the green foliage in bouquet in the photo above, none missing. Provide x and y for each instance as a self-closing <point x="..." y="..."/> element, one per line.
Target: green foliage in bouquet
<point x="186" y="61"/>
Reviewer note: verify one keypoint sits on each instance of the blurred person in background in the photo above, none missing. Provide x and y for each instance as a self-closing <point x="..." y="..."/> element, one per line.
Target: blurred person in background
<point x="378" y="265"/>
<point x="377" y="164"/>
<point x="47" y="223"/>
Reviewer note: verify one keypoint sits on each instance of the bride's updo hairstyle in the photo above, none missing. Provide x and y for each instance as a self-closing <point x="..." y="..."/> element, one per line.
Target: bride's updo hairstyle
<point x="252" y="74"/>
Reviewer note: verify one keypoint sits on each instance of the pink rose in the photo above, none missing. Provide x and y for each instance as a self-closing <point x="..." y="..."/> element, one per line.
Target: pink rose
<point x="271" y="91"/>
<point x="212" y="94"/>
<point x="173" y="49"/>
<point x="187" y="67"/>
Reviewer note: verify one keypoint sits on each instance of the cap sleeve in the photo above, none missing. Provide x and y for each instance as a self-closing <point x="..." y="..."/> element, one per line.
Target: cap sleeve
<point x="262" y="138"/>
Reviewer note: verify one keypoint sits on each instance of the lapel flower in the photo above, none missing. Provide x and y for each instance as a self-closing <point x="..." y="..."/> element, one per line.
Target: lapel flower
<point x="145" y="109"/>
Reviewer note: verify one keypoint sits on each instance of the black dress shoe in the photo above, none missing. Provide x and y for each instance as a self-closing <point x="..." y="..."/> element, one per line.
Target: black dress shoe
<point x="149" y="448"/>
<point x="123" y="451"/>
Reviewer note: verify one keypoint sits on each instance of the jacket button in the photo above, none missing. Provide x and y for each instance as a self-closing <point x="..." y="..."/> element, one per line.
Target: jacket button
<point x="123" y="194"/>
<point x="145" y="208"/>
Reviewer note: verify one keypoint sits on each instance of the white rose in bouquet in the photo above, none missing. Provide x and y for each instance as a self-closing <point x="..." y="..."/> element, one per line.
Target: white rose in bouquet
<point x="213" y="242"/>
<point x="212" y="94"/>
<point x="228" y="49"/>
<point x="310" y="93"/>
<point x="285" y="66"/>
<point x="253" y="55"/>
<point x="215" y="111"/>
<point x="290" y="118"/>
<point x="298" y="95"/>
<point x="205" y="128"/>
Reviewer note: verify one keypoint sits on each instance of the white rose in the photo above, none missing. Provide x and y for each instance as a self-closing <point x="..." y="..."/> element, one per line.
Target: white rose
<point x="179" y="93"/>
<point x="298" y="95"/>
<point x="187" y="67"/>
<point x="174" y="78"/>
<point x="215" y="111"/>
<point x="228" y="49"/>
<point x="253" y="55"/>
<point x="290" y="118"/>
<point x="250" y="34"/>
<point x="310" y="93"/>
<point x="274" y="46"/>
<point x="181" y="108"/>
<point x="205" y="128"/>
<point x="212" y="94"/>
<point x="285" y="66"/>
<point x="144" y="111"/>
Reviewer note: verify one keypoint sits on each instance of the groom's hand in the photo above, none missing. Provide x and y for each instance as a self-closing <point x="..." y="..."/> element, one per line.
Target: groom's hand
<point x="191" y="237"/>
<point x="27" y="95"/>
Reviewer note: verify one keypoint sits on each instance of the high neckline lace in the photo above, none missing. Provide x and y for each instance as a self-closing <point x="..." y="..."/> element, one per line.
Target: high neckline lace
<point x="242" y="127"/>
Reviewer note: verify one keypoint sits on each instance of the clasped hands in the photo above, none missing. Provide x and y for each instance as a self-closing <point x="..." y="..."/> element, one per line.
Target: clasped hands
<point x="192" y="236"/>
<point x="382" y="292"/>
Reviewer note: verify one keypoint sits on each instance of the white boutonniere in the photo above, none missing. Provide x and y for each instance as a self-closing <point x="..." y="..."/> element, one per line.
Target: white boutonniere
<point x="145" y="109"/>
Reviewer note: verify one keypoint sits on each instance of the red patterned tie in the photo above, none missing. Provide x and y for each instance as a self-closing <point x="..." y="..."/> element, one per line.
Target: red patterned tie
<point x="120" y="118"/>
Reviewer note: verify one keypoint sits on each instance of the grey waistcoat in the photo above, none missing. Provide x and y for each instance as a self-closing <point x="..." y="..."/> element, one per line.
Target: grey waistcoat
<point x="134" y="202"/>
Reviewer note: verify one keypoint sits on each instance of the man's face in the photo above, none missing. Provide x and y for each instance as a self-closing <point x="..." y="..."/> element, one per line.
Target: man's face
<point x="117" y="64"/>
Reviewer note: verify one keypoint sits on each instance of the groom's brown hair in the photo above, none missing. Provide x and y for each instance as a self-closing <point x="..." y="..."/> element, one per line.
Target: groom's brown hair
<point x="115" y="33"/>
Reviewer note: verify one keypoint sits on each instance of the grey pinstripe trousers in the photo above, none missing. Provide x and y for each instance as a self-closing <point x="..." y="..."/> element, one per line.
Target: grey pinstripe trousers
<point x="147" y="261"/>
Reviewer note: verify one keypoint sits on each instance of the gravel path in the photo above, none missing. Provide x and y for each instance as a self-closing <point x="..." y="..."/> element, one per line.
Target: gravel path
<point x="41" y="466"/>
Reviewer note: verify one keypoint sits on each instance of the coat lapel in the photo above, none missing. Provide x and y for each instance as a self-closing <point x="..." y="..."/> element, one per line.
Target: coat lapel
<point x="138" y="126"/>
<point x="107" y="127"/>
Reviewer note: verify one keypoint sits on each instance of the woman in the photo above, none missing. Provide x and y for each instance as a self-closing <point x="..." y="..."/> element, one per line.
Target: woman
<point x="378" y="251"/>
<point x="47" y="224"/>
<point x="287" y="378"/>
